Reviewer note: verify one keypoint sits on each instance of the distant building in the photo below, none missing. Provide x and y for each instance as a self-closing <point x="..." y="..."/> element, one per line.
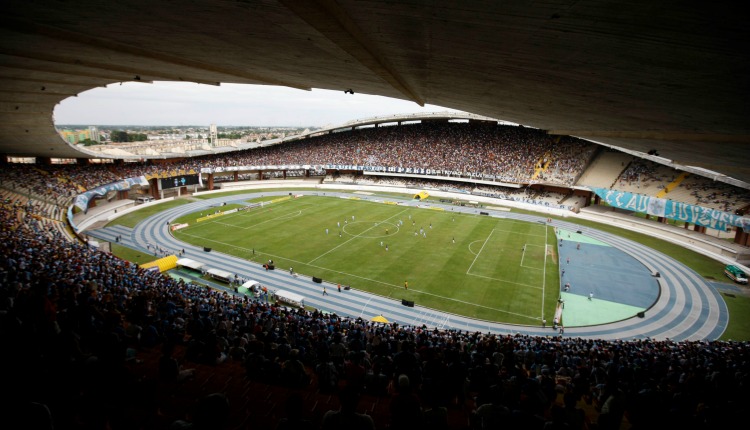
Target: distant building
<point x="213" y="135"/>
<point x="94" y="133"/>
<point x="75" y="136"/>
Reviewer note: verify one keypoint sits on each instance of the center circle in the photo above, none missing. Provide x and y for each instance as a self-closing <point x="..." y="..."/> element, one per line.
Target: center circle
<point x="371" y="230"/>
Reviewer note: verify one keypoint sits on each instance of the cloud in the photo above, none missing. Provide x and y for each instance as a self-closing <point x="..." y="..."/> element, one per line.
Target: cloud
<point x="181" y="103"/>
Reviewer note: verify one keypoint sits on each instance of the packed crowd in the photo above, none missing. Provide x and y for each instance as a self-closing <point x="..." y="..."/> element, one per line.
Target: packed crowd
<point x="503" y="152"/>
<point x="534" y="194"/>
<point x="641" y="175"/>
<point x="717" y="195"/>
<point x="71" y="316"/>
<point x="499" y="153"/>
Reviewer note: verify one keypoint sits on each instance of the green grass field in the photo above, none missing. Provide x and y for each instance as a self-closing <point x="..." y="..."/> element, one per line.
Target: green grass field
<point x="487" y="268"/>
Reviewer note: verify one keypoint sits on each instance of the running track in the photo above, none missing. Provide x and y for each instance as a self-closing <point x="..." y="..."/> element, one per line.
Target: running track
<point x="688" y="307"/>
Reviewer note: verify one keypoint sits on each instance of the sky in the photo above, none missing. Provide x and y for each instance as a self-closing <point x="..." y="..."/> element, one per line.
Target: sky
<point x="183" y="103"/>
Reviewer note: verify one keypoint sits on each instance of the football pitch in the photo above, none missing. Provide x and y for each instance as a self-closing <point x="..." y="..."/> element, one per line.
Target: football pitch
<point x="489" y="268"/>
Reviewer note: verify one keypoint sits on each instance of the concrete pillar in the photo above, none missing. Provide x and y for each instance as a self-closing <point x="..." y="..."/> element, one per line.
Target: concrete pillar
<point x="236" y="176"/>
<point x="154" y="188"/>
<point x="210" y="181"/>
<point x="741" y="238"/>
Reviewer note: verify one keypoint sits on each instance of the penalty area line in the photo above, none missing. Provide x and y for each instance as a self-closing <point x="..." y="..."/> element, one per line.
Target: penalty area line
<point x="503" y="281"/>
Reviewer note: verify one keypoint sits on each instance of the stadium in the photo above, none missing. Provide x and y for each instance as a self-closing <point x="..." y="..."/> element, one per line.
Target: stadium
<point x="448" y="270"/>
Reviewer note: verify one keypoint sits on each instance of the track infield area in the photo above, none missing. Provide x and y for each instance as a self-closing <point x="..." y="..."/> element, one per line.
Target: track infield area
<point x="484" y="267"/>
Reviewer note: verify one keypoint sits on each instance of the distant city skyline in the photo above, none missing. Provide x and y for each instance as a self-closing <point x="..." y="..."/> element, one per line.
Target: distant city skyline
<point x="185" y="104"/>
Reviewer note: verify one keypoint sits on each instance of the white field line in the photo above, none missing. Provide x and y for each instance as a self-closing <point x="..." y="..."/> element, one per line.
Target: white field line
<point x="524" y="252"/>
<point x="224" y="218"/>
<point x="354" y="237"/>
<point x="515" y="232"/>
<point x="503" y="281"/>
<point x="480" y="251"/>
<point x="278" y="218"/>
<point x="544" y="269"/>
<point x="392" y="286"/>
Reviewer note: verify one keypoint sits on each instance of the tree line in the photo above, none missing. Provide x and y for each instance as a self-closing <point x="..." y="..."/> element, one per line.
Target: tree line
<point x="123" y="136"/>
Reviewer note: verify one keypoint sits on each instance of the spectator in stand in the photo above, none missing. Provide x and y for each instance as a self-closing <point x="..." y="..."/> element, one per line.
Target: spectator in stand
<point x="65" y="307"/>
<point x="210" y="412"/>
<point x="347" y="417"/>
<point x="406" y="409"/>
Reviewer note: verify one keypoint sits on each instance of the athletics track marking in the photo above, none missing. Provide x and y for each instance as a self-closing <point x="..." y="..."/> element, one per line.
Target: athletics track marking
<point x="392" y="286"/>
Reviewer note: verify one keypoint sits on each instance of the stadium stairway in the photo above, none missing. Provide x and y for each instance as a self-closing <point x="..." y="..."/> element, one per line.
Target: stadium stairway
<point x="672" y="185"/>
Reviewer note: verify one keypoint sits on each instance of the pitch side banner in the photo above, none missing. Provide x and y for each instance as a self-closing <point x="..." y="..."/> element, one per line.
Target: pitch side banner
<point x="407" y="170"/>
<point x="82" y="200"/>
<point x="703" y="216"/>
<point x="264" y="167"/>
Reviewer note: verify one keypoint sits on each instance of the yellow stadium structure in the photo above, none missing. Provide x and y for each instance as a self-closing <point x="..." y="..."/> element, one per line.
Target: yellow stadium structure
<point x="164" y="264"/>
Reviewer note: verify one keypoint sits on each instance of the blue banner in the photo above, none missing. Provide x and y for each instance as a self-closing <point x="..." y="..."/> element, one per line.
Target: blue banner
<point x="82" y="200"/>
<point x="699" y="215"/>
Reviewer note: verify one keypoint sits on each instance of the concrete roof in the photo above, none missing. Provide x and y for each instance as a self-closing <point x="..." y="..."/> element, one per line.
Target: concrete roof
<point x="670" y="76"/>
